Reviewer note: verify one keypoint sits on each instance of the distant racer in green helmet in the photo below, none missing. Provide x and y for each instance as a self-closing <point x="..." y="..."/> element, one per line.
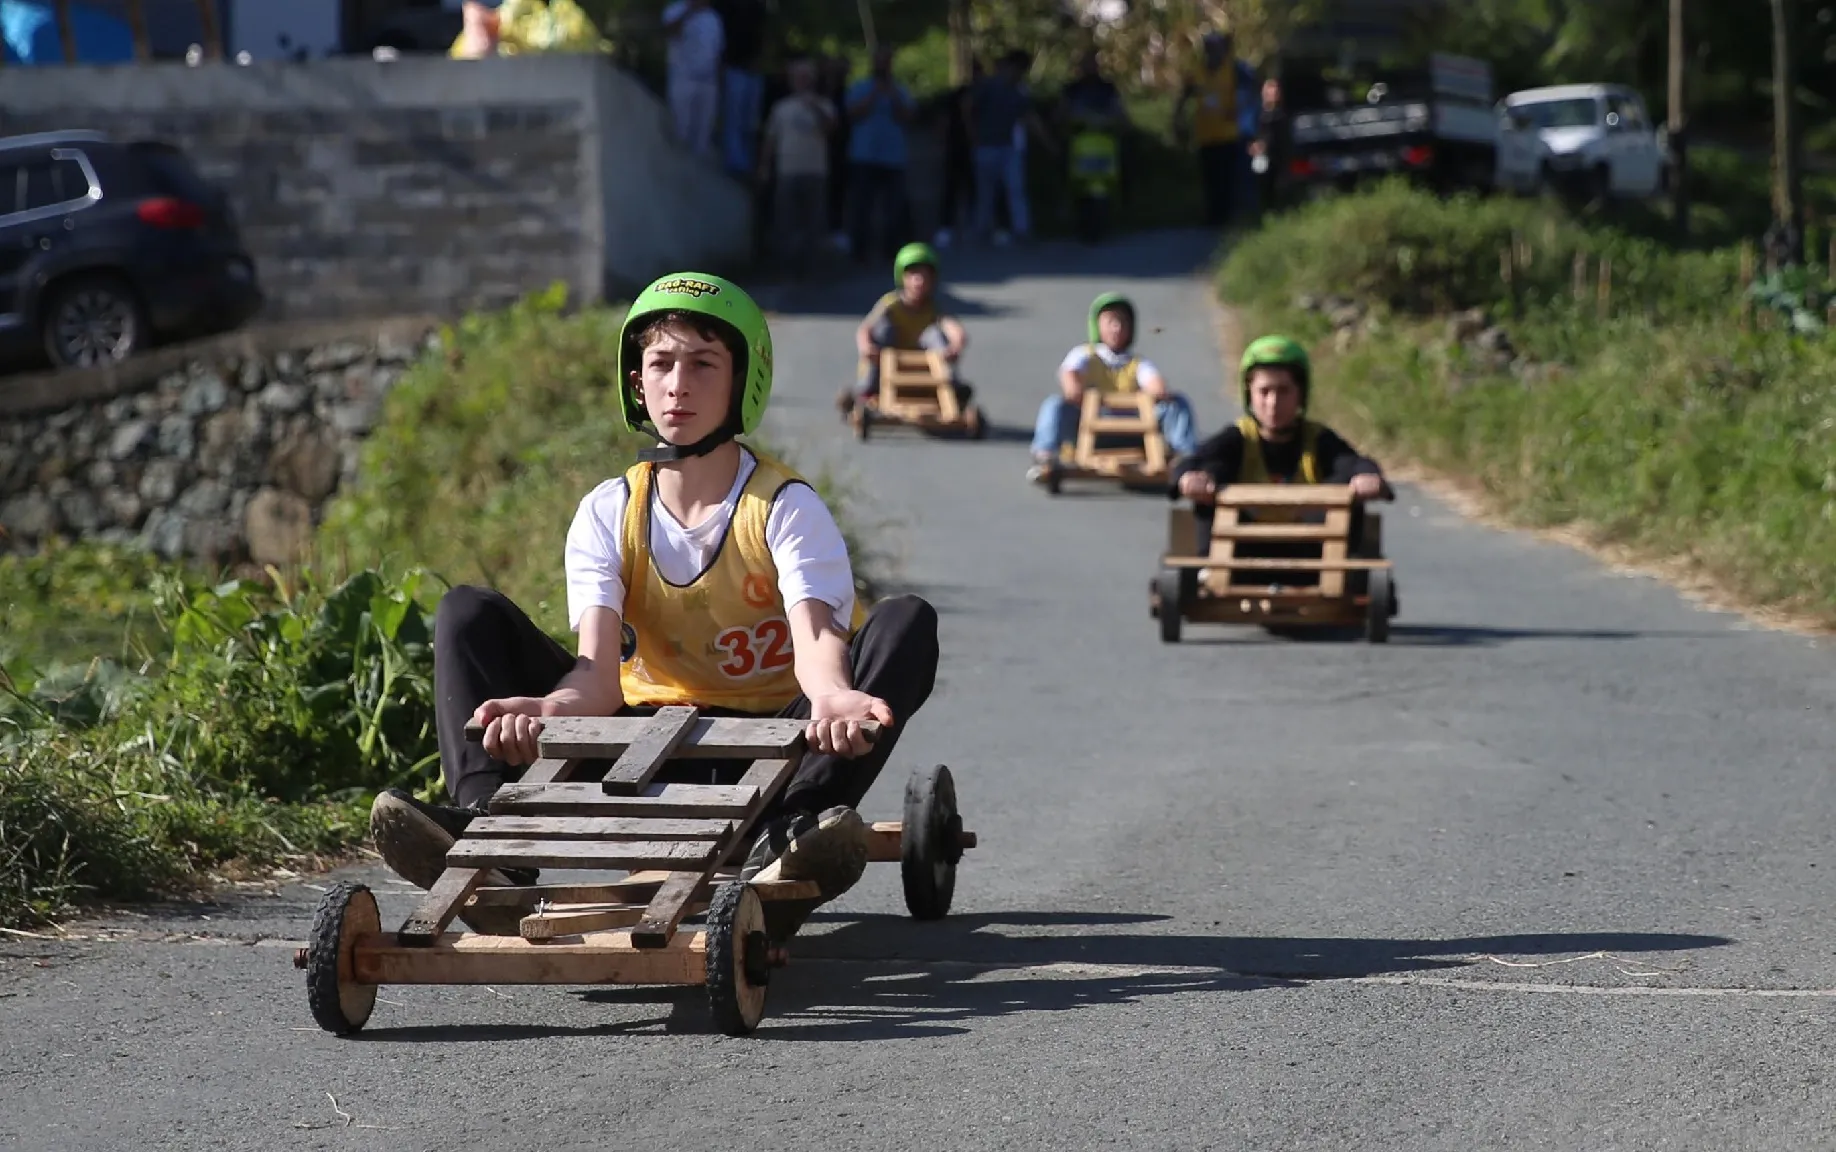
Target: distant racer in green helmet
<point x="1273" y="442"/>
<point x="1107" y="362"/>
<point x="912" y="317"/>
<point x="707" y="574"/>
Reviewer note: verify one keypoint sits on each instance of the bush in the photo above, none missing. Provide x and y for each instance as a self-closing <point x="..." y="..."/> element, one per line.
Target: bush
<point x="1665" y="427"/>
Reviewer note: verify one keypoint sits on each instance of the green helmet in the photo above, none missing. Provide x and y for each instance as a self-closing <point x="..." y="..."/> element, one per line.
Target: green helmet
<point x="725" y="303"/>
<point x="1103" y="304"/>
<point x="914" y="253"/>
<point x="1276" y="352"/>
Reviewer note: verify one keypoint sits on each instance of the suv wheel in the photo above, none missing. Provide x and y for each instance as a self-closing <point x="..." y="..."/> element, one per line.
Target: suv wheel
<point x="92" y="320"/>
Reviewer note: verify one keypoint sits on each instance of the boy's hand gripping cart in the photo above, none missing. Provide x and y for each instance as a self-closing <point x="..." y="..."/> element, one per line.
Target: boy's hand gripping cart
<point x="1223" y="587"/>
<point x="680" y="843"/>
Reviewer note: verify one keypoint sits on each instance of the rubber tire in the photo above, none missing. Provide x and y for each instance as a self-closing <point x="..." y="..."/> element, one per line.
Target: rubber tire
<point x="1173" y="603"/>
<point x="736" y="935"/>
<point x="863" y="423"/>
<point x="975" y="423"/>
<point x="1054" y="481"/>
<point x="138" y="335"/>
<point x="339" y="1005"/>
<point x="930" y="843"/>
<point x="1377" y="612"/>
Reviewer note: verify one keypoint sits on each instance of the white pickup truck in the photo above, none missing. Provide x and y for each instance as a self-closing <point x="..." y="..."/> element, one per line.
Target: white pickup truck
<point x="1593" y="141"/>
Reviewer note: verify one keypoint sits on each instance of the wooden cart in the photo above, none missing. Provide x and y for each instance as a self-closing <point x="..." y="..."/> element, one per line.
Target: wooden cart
<point x="679" y="843"/>
<point x="1118" y="440"/>
<point x="916" y="393"/>
<point x="1224" y="587"/>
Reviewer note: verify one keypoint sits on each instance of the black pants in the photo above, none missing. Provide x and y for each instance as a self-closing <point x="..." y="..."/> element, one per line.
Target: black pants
<point x="486" y="648"/>
<point x="870" y="186"/>
<point x="1221" y="176"/>
<point x="958" y="185"/>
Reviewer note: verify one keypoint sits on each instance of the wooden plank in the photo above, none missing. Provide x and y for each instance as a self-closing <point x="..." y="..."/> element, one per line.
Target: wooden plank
<point x="1286" y="495"/>
<point x="593" y="958"/>
<point x="627" y="891"/>
<point x="1273" y="532"/>
<point x="581" y="854"/>
<point x="671" y="901"/>
<point x="1333" y="553"/>
<point x="1182" y="530"/>
<point x="645" y="756"/>
<point x="594" y="828"/>
<point x="437" y="909"/>
<point x="587" y="799"/>
<point x="1273" y="564"/>
<point x="549" y="770"/>
<point x="710" y="738"/>
<point x="573" y="922"/>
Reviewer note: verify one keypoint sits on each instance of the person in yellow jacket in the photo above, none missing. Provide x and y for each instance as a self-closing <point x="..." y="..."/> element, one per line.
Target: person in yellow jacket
<point x="708" y="574"/>
<point x="1226" y="117"/>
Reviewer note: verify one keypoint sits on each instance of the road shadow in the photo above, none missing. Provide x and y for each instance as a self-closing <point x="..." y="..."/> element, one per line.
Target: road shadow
<point x="881" y="977"/>
<point x="1425" y="635"/>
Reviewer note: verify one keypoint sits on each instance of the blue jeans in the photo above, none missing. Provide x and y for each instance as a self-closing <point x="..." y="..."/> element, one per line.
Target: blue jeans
<point x="739" y="119"/>
<point x="995" y="169"/>
<point x="1058" y="420"/>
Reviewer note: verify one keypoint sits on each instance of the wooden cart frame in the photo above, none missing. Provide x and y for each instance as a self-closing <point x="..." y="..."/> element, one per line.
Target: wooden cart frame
<point x="1139" y="462"/>
<point x="916" y="393"/>
<point x="1225" y="588"/>
<point x="679" y="843"/>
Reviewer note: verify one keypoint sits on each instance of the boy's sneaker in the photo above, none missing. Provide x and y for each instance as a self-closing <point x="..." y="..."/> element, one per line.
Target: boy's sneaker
<point x="1041" y="468"/>
<point x="828" y="847"/>
<point x="844" y="403"/>
<point x="413" y="837"/>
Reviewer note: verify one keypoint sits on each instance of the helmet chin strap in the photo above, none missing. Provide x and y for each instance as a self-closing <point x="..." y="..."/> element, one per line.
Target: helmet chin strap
<point x="665" y="452"/>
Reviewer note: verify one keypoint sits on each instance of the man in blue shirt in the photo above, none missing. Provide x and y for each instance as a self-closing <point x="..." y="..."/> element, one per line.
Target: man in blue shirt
<point x="878" y="108"/>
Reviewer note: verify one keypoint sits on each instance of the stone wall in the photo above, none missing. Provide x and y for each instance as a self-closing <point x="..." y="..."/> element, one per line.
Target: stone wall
<point x="228" y="457"/>
<point x="369" y="188"/>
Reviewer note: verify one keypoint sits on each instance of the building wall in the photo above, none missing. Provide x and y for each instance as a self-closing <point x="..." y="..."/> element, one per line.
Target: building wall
<point x="421" y="184"/>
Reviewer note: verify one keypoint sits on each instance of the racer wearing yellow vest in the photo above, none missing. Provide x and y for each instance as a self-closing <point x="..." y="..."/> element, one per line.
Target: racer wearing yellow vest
<point x="694" y="373"/>
<point x="908" y="318"/>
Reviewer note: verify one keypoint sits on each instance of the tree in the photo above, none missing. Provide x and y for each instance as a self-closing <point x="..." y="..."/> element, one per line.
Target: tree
<point x="1678" y="124"/>
<point x="66" y="30"/>
<point x="1788" y="182"/>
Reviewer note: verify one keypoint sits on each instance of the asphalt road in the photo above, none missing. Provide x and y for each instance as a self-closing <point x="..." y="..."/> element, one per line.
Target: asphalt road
<point x="1547" y="871"/>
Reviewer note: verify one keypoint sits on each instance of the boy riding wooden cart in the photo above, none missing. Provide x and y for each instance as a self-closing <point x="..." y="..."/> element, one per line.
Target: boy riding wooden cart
<point x="730" y="705"/>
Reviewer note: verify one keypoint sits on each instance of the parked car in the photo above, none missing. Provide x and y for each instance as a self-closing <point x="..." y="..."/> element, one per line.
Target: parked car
<point x="109" y="246"/>
<point x="1599" y="142"/>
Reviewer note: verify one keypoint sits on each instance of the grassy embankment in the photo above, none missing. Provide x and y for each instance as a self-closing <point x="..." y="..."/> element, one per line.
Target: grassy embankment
<point x="160" y="725"/>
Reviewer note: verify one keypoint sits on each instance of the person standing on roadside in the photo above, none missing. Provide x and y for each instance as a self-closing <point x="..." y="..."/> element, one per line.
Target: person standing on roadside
<point x="696" y="41"/>
<point x="1221" y="86"/>
<point x="958" y="159"/>
<point x="997" y="110"/>
<point x="1271" y="147"/>
<point x="795" y="158"/>
<point x="742" y="98"/>
<point x="879" y="107"/>
<point x="832" y="83"/>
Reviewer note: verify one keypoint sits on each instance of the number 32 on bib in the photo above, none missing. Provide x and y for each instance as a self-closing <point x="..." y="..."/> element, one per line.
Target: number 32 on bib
<point x="765" y="647"/>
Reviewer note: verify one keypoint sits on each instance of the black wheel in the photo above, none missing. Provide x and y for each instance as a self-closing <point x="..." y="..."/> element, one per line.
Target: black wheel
<point x="1377" y="612"/>
<point x="339" y="1004"/>
<point x="1173" y="601"/>
<point x="92" y="319"/>
<point x="930" y="843"/>
<point x="974" y="423"/>
<point x="863" y="420"/>
<point x="1054" y="480"/>
<point x="738" y="958"/>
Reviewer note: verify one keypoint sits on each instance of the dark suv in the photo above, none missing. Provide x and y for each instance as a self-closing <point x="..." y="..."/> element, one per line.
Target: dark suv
<point x="107" y="246"/>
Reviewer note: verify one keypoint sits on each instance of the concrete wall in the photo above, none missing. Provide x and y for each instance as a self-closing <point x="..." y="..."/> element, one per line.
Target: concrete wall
<point x="422" y="184"/>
